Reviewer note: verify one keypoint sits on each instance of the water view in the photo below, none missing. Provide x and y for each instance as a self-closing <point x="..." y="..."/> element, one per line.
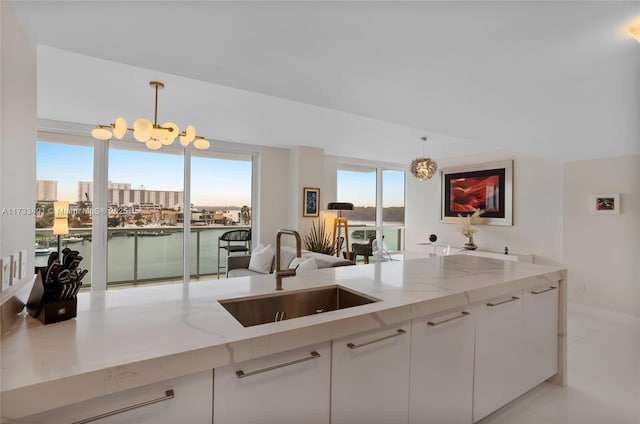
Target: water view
<point x="137" y="255"/>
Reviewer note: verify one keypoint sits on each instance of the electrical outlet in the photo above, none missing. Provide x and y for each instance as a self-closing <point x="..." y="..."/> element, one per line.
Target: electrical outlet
<point x="23" y="264"/>
<point x="6" y="272"/>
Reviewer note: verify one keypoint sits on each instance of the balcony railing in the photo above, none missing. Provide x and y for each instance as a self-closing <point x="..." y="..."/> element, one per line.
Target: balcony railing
<point x="155" y="254"/>
<point x="142" y="255"/>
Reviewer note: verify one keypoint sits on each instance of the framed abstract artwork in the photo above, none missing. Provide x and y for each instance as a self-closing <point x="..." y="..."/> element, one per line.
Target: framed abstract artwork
<point x="311" y="202"/>
<point x="487" y="186"/>
<point x="607" y="204"/>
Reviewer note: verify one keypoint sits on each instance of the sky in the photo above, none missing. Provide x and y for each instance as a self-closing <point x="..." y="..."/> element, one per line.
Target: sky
<point x="359" y="188"/>
<point x="214" y="182"/>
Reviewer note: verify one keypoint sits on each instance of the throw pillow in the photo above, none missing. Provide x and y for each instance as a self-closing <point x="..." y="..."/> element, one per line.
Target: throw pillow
<point x="304" y="264"/>
<point x="261" y="259"/>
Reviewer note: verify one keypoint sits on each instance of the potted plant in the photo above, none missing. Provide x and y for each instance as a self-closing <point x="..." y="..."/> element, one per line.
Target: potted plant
<point x="318" y="240"/>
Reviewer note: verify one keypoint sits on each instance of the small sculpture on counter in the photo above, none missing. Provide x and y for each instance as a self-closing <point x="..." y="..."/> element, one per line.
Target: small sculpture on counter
<point x="468" y="230"/>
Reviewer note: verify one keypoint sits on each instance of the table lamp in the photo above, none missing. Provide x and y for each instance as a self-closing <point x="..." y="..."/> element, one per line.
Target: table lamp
<point x="339" y="222"/>
<point x="61" y="221"/>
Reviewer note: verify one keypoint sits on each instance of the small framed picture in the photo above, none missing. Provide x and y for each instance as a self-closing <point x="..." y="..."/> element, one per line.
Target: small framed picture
<point x="311" y="202"/>
<point x="608" y="204"/>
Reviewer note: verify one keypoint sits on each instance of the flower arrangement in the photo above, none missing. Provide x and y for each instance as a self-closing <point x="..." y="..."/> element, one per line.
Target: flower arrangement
<point x="467" y="222"/>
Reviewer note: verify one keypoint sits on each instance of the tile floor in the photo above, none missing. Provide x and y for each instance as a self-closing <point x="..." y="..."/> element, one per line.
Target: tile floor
<point x="603" y="376"/>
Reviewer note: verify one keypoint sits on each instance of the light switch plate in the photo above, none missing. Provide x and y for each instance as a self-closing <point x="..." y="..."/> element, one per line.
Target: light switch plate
<point x="6" y="272"/>
<point x="15" y="268"/>
<point x="23" y="264"/>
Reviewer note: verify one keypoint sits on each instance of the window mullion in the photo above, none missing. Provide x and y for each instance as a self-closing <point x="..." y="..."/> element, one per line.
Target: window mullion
<point x="186" y="221"/>
<point x="379" y="203"/>
<point x="99" y="216"/>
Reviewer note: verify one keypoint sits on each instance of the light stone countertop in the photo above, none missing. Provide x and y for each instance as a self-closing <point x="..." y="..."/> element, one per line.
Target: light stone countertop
<point x="127" y="338"/>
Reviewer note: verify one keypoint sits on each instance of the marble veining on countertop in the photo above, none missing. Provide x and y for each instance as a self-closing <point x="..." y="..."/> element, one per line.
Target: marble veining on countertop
<point x="127" y="338"/>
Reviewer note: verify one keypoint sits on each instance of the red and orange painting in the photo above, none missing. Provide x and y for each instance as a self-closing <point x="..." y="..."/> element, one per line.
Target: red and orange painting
<point x="469" y="194"/>
<point x="464" y="192"/>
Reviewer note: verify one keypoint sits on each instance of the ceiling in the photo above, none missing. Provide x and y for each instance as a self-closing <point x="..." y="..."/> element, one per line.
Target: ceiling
<point x="558" y="80"/>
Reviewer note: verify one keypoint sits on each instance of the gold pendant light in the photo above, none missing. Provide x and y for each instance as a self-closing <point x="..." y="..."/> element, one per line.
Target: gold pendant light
<point x="153" y="135"/>
<point x="423" y="167"/>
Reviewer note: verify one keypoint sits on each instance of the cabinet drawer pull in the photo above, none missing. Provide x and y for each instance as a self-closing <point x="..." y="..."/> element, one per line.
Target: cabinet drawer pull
<point x="504" y="301"/>
<point x="462" y="315"/>
<point x="400" y="332"/>
<point x="167" y="395"/>
<point x="544" y="291"/>
<point x="242" y="374"/>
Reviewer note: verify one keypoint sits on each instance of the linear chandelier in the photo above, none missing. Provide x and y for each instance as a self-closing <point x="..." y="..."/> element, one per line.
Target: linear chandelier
<point x="153" y="135"/>
<point x="423" y="167"/>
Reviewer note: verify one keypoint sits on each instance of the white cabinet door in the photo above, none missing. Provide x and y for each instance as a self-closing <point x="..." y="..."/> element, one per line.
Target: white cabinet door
<point x="370" y="377"/>
<point x="181" y="400"/>
<point x="498" y="354"/>
<point x="540" y="309"/>
<point x="290" y="387"/>
<point x="442" y="368"/>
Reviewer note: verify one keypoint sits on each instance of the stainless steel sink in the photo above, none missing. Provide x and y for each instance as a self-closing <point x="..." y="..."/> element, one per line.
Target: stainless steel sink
<point x="258" y="310"/>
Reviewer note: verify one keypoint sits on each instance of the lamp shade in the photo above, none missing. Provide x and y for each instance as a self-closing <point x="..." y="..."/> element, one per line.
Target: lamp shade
<point x="61" y="222"/>
<point x="340" y="206"/>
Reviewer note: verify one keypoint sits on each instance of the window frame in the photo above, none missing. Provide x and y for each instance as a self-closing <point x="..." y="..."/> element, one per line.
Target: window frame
<point x="74" y="134"/>
<point x="379" y="167"/>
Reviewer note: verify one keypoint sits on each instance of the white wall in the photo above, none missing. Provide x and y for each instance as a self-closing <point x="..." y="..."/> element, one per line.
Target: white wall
<point x="601" y="251"/>
<point x="537" y="210"/>
<point x="306" y="169"/>
<point x="17" y="136"/>
<point x="273" y="196"/>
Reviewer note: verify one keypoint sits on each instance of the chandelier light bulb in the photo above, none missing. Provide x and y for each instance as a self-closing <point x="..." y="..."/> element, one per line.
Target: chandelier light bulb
<point x="158" y="133"/>
<point x="119" y="128"/>
<point x="101" y="133"/>
<point x="189" y="135"/>
<point x="173" y="133"/>
<point x="201" y="143"/>
<point x="153" y="144"/>
<point x="166" y="140"/>
<point x="142" y="129"/>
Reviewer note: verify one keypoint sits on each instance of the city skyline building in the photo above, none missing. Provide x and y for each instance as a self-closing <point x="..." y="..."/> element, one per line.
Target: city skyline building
<point x="46" y="190"/>
<point x="121" y="194"/>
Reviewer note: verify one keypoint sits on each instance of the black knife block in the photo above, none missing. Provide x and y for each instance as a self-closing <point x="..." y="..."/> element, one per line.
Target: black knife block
<point x="41" y="306"/>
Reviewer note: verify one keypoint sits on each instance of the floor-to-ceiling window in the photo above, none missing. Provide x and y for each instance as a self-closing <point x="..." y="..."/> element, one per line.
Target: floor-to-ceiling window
<point x="145" y="199"/>
<point x="144" y="214"/>
<point x="220" y="202"/>
<point x="64" y="172"/>
<point x="393" y="208"/>
<point x="377" y="194"/>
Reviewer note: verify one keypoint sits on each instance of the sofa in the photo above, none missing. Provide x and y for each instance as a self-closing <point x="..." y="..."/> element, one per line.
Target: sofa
<point x="238" y="266"/>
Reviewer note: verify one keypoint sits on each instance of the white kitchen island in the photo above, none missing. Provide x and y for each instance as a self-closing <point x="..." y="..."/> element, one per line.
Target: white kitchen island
<point x="128" y="345"/>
